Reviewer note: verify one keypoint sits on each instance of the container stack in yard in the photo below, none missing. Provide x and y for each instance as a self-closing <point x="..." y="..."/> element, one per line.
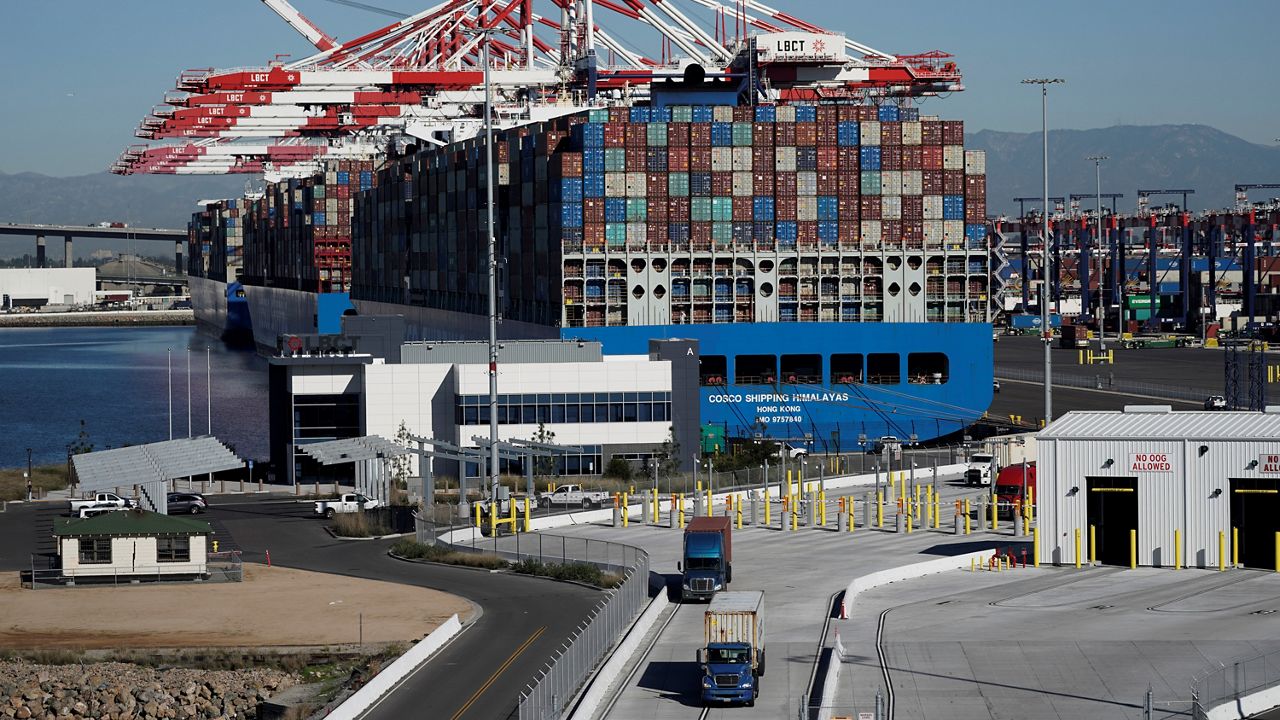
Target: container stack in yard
<point x="215" y="240"/>
<point x="678" y="214"/>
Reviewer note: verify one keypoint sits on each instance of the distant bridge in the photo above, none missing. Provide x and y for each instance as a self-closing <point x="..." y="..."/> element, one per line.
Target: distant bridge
<point x="67" y="232"/>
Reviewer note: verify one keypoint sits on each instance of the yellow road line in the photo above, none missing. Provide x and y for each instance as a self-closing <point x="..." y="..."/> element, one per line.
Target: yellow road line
<point x="501" y="668"/>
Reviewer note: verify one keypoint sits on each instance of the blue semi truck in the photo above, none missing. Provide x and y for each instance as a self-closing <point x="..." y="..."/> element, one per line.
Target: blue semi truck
<point x="707" y="567"/>
<point x="732" y="656"/>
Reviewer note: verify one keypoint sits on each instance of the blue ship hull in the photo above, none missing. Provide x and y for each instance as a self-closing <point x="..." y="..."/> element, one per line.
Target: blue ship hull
<point x="238" y="330"/>
<point x="831" y="386"/>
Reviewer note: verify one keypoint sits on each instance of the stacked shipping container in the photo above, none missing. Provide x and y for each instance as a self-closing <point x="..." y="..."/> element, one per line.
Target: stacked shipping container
<point x="215" y="241"/>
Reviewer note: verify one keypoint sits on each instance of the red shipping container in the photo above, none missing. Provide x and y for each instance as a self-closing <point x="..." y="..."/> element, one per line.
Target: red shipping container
<point x="785" y="208"/>
<point x="700" y="232"/>
<point x="742" y="208"/>
<point x="975" y="186"/>
<point x="657" y="211"/>
<point x="762" y="183"/>
<point x="678" y="209"/>
<point x="721" y="184"/>
<point x="849" y="183"/>
<point x="341" y="191"/>
<point x="931" y="157"/>
<point x="890" y="133"/>
<point x="762" y="161"/>
<point x="847" y="112"/>
<point x="619" y="114"/>
<point x="952" y="182"/>
<point x="807" y="233"/>
<point x="762" y="134"/>
<point x="868" y="113"/>
<point x="848" y="159"/>
<point x="677" y="134"/>
<point x="848" y="232"/>
<point x="828" y="157"/>
<point x="637" y="135"/>
<point x="593" y="232"/>
<point x="785" y="134"/>
<point x="785" y="184"/>
<point x="806" y="134"/>
<point x="637" y="158"/>
<point x="912" y="157"/>
<point x="657" y="232"/>
<point x="700" y="159"/>
<point x="931" y="132"/>
<point x="931" y="182"/>
<point x="678" y="159"/>
<point x="913" y="233"/>
<point x="828" y="114"/>
<point x="890" y="157"/>
<point x="869" y="207"/>
<point x="848" y="208"/>
<point x="828" y="135"/>
<point x="891" y="232"/>
<point x="699" y="135"/>
<point x="912" y="207"/>
<point x="952" y="132"/>
<point x="975" y="212"/>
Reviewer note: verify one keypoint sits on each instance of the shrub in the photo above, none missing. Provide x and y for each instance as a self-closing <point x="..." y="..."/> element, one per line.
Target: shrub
<point x="414" y="550"/>
<point x="618" y="469"/>
<point x="577" y="572"/>
<point x="357" y="525"/>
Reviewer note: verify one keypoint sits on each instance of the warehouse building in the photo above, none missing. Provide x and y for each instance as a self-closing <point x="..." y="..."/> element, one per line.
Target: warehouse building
<point x="1189" y="488"/>
<point x="38" y="287"/>
<point x="362" y="383"/>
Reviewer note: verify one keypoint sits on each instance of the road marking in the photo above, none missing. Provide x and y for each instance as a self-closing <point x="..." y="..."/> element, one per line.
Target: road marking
<point x="884" y="667"/>
<point x="705" y="712"/>
<point x="501" y="668"/>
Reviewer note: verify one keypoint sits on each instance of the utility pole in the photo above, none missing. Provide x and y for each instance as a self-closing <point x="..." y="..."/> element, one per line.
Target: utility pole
<point x="208" y="390"/>
<point x="169" y="370"/>
<point x="1045" y="329"/>
<point x="1097" y="236"/>
<point x="188" y="392"/>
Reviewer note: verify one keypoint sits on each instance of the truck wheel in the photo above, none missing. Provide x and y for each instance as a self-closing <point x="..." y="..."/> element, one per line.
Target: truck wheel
<point x="328" y="513"/>
<point x="760" y="670"/>
<point x="544" y="503"/>
<point x="585" y="503"/>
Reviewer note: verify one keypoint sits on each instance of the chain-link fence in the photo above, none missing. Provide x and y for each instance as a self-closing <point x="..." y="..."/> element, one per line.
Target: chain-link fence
<point x="1107" y="381"/>
<point x="1234" y="681"/>
<point x="548" y="695"/>
<point x="220" y="567"/>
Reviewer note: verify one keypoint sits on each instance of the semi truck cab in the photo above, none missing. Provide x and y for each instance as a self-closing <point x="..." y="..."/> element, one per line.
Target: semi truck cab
<point x="707" y="567"/>
<point x="732" y="658"/>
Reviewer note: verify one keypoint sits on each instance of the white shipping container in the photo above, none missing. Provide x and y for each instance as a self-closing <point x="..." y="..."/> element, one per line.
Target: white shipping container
<point x="722" y="113"/>
<point x="722" y="159"/>
<point x="637" y="185"/>
<point x="933" y="230"/>
<point x="912" y="184"/>
<point x="785" y="159"/>
<point x="975" y="162"/>
<point x="953" y="157"/>
<point x="742" y="159"/>
<point x="911" y="132"/>
<point x="743" y="183"/>
<point x="615" y="185"/>
<point x="637" y="232"/>
<point x="807" y="207"/>
<point x="953" y="233"/>
<point x="933" y="210"/>
<point x="806" y="183"/>
<point x="890" y="207"/>
<point x="871" y="232"/>
<point x="869" y="132"/>
<point x="890" y="182"/>
<point x="786" y="113"/>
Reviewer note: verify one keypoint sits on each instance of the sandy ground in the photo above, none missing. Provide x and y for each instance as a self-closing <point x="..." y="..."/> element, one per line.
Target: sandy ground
<point x="274" y="606"/>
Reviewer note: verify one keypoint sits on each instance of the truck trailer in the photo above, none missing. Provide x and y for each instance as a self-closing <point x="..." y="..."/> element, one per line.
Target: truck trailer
<point x="732" y="656"/>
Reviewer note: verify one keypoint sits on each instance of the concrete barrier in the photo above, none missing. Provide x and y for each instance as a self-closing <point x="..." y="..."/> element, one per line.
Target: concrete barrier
<point x="863" y="583"/>
<point x="384" y="682"/>
<point x="597" y="690"/>
<point x="1247" y="706"/>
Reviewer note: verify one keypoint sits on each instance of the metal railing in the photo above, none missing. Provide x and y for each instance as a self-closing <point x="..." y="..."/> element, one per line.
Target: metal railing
<point x="1234" y="682"/>
<point x="1100" y="381"/>
<point x="220" y="567"/>
<point x="548" y="695"/>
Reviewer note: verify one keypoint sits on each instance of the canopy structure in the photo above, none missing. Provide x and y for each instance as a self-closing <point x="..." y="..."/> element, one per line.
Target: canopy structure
<point x="152" y="466"/>
<point x="368" y="453"/>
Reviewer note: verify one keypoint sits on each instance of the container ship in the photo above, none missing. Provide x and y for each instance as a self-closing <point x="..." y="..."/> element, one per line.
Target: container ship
<point x="829" y="253"/>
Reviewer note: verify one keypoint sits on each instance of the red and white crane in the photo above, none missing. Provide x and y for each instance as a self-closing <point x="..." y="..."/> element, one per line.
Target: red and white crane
<point x="421" y="78"/>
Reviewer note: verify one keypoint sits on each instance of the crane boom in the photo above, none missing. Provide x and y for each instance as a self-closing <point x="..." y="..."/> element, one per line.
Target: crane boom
<point x="299" y="22"/>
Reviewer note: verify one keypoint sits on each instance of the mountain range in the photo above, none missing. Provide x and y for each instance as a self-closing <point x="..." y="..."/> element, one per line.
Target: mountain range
<point x="1154" y="157"/>
<point x="1149" y="157"/>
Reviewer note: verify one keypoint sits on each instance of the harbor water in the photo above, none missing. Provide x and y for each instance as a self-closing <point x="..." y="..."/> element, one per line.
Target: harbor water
<point x="115" y="380"/>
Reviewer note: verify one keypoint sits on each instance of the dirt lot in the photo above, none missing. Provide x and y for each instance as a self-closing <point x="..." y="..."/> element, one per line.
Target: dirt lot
<point x="273" y="607"/>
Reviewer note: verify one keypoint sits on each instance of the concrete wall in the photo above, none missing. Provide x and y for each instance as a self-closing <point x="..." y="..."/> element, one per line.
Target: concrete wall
<point x="52" y="286"/>
<point x="132" y="555"/>
<point x="1184" y="498"/>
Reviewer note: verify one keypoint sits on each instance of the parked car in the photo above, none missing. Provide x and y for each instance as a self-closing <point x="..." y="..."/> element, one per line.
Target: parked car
<point x="793" y="452"/>
<point x="102" y="499"/>
<point x="193" y="503"/>
<point x="1215" y="402"/>
<point x="348" y="503"/>
<point x="573" y="495"/>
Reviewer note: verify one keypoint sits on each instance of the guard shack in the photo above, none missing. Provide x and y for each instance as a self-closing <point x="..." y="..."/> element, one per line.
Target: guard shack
<point x="131" y="545"/>
<point x="1150" y="486"/>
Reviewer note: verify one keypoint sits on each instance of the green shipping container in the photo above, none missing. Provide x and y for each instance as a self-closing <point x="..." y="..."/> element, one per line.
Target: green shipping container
<point x="615" y="234"/>
<point x="870" y="182"/>
<point x="713" y="440"/>
<point x="700" y="209"/>
<point x="742" y="134"/>
<point x="678" y="184"/>
<point x="722" y="209"/>
<point x="615" y="160"/>
<point x="598" y="115"/>
<point x="637" y="209"/>
<point x="722" y="232"/>
<point x="1138" y="301"/>
<point x="657" y="134"/>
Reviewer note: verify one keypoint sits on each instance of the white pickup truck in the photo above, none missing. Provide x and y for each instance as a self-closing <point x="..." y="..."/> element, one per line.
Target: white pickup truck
<point x="347" y="503"/>
<point x="573" y="496"/>
<point x="99" y="500"/>
<point x="981" y="467"/>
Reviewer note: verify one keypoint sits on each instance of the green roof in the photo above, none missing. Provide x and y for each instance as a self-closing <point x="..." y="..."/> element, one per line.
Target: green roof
<point x="129" y="522"/>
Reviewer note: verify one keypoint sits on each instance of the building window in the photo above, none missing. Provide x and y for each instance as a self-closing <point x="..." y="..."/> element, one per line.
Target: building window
<point x="713" y="369"/>
<point x="927" y="368"/>
<point x="884" y="369"/>
<point x="173" y="549"/>
<point x="95" y="551"/>
<point x="624" y="407"/>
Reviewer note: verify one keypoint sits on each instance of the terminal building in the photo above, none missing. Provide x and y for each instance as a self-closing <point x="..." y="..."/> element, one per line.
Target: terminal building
<point x="364" y="382"/>
<point x="1174" y="488"/>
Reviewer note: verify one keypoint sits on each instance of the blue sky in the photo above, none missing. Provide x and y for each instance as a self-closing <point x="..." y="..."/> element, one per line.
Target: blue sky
<point x="79" y="74"/>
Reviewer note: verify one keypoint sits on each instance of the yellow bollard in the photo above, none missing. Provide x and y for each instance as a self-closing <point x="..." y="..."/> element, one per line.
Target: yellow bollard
<point x="937" y="513"/>
<point x="908" y="523"/>
<point x="1077" y="548"/>
<point x="1031" y="505"/>
<point x="972" y="564"/>
<point x="1035" y="547"/>
<point x="966" y="524"/>
<point x="879" y="508"/>
<point x="995" y="520"/>
<point x="1222" y="551"/>
<point x="1177" y="548"/>
<point x="1235" y="547"/>
<point x="739" y="513"/>
<point x="852" y="524"/>
<point x="626" y="511"/>
<point x="1133" y="549"/>
<point x="511" y="505"/>
<point x="708" y="502"/>
<point x="493" y="519"/>
<point x="767" y="504"/>
<point x="1093" y="544"/>
<point x="478" y="522"/>
<point x="795" y="519"/>
<point x="822" y="508"/>
<point x="528" y="507"/>
<point x="928" y="510"/>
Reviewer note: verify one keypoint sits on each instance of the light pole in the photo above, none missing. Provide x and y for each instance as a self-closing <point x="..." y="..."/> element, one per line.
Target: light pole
<point x="1045" y="330"/>
<point x="1102" y="303"/>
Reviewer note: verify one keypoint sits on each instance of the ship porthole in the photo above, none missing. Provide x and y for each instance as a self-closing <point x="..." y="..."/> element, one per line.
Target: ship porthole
<point x="766" y="289"/>
<point x="894" y="289"/>
<point x="637" y="265"/>
<point x="637" y="292"/>
<point x="659" y="265"/>
<point x="659" y="291"/>
<point x="766" y="266"/>
<point x="914" y="262"/>
<point x="914" y="289"/>
<point x="894" y="262"/>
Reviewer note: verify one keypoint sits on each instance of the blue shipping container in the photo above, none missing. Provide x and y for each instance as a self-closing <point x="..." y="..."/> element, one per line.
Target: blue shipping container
<point x="828" y="207"/>
<point x="721" y="134"/>
<point x="847" y="133"/>
<point x="317" y="218"/>
<point x="570" y="215"/>
<point x="762" y="207"/>
<point x="702" y="114"/>
<point x="615" y="210"/>
<point x="889" y="113"/>
<point x="766" y="113"/>
<point x="593" y="160"/>
<point x="788" y="231"/>
<point x="828" y="230"/>
<point x="806" y="113"/>
<point x="640" y="114"/>
<point x="975" y="231"/>
<point x="593" y="185"/>
<point x="869" y="157"/>
<point x="953" y="207"/>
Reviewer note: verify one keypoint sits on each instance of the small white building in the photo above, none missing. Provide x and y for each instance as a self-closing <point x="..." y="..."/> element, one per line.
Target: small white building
<point x="1202" y="480"/>
<point x="37" y="287"/>
<point x="132" y="544"/>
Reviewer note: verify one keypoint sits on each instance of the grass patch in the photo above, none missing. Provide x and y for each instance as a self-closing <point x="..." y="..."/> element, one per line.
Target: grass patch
<point x="44" y="478"/>
<point x="357" y="525"/>
<point x="414" y="550"/>
<point x="577" y="572"/>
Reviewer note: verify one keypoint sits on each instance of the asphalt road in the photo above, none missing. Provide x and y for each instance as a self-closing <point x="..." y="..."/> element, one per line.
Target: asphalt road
<point x="1024" y="398"/>
<point x="480" y="675"/>
<point x="1198" y="368"/>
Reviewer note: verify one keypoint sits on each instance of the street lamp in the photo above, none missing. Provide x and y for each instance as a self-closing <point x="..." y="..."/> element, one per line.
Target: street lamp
<point x="1045" y="330"/>
<point x="1102" y="305"/>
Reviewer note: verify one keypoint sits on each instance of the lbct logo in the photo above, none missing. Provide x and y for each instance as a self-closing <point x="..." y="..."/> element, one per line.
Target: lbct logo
<point x="819" y="45"/>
